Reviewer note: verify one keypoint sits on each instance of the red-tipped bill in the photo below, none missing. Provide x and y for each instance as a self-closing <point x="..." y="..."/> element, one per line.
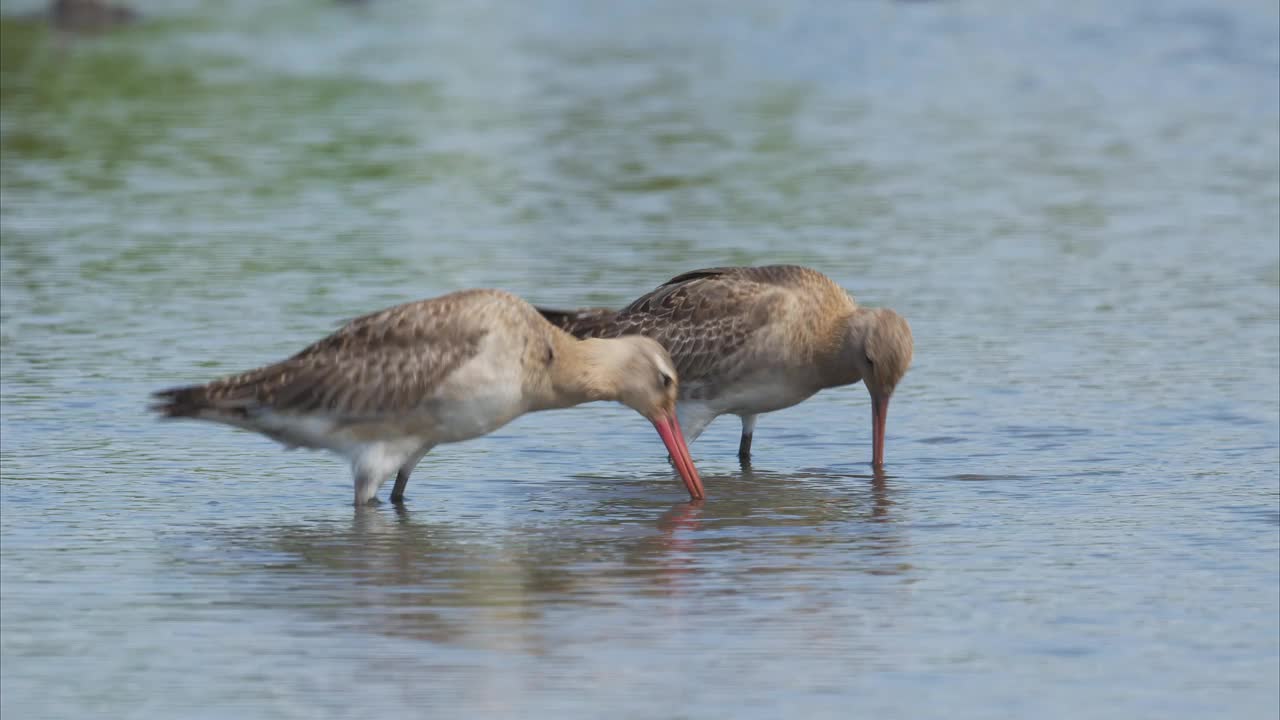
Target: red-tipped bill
<point x="669" y="429"/>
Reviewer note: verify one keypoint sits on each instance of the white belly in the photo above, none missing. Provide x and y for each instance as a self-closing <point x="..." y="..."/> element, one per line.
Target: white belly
<point x="477" y="398"/>
<point x="758" y="394"/>
<point x="479" y="413"/>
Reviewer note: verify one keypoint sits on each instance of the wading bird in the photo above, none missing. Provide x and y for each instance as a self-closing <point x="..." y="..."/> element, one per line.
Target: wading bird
<point x="387" y="387"/>
<point x="751" y="340"/>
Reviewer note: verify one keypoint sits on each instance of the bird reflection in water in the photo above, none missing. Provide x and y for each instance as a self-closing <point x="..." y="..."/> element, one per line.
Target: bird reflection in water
<point x="454" y="577"/>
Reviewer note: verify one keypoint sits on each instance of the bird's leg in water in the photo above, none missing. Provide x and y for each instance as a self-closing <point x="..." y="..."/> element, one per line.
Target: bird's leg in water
<point x="744" y="445"/>
<point x="397" y="490"/>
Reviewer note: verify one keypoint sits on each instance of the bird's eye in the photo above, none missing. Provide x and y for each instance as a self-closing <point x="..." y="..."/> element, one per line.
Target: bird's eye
<point x="666" y="380"/>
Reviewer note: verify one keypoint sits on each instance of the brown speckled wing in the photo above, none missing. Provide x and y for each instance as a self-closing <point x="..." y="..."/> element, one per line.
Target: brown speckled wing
<point x="702" y="317"/>
<point x="385" y="363"/>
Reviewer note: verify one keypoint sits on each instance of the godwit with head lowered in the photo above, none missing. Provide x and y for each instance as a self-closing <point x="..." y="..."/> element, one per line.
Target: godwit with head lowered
<point x="751" y="340"/>
<point x="387" y="387"/>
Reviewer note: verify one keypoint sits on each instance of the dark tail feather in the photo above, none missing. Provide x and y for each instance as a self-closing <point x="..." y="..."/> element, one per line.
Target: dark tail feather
<point x="583" y="323"/>
<point x="192" y="401"/>
<point x="180" y="402"/>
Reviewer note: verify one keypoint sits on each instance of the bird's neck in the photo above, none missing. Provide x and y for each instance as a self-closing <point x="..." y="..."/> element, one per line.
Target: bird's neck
<point x="844" y="340"/>
<point x="584" y="370"/>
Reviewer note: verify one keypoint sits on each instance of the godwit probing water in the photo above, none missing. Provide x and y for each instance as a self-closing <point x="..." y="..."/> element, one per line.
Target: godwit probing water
<point x="387" y="387"/>
<point x="751" y="340"/>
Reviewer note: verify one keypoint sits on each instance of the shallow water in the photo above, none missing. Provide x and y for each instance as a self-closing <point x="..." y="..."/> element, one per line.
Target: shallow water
<point x="1078" y="209"/>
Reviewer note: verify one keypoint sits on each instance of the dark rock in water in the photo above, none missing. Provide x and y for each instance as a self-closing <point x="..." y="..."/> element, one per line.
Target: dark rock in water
<point x="89" y="15"/>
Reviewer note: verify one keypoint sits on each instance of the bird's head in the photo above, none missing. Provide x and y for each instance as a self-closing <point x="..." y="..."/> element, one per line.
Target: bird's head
<point x="879" y="346"/>
<point x="643" y="377"/>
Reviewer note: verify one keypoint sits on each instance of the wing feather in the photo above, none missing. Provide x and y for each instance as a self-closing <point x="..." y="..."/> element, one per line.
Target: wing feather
<point x="703" y="317"/>
<point x="385" y="363"/>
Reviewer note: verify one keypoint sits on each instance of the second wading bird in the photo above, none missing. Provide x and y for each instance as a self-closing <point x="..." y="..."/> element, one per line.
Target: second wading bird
<point x="387" y="387"/>
<point x="751" y="340"/>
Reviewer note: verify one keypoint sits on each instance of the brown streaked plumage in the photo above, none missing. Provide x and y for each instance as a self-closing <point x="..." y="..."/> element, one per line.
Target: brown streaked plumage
<point x="389" y="386"/>
<point x="751" y="340"/>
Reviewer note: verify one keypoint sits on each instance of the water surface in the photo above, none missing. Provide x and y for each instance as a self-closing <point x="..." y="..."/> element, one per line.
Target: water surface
<point x="1077" y="208"/>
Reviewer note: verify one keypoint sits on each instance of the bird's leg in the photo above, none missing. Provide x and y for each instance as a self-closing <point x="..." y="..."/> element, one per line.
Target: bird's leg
<point x="367" y="482"/>
<point x="402" y="479"/>
<point x="744" y="445"/>
<point x="402" y="476"/>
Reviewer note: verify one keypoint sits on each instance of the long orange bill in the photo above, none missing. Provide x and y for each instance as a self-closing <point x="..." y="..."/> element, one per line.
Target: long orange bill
<point x="879" y="411"/>
<point x="669" y="429"/>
